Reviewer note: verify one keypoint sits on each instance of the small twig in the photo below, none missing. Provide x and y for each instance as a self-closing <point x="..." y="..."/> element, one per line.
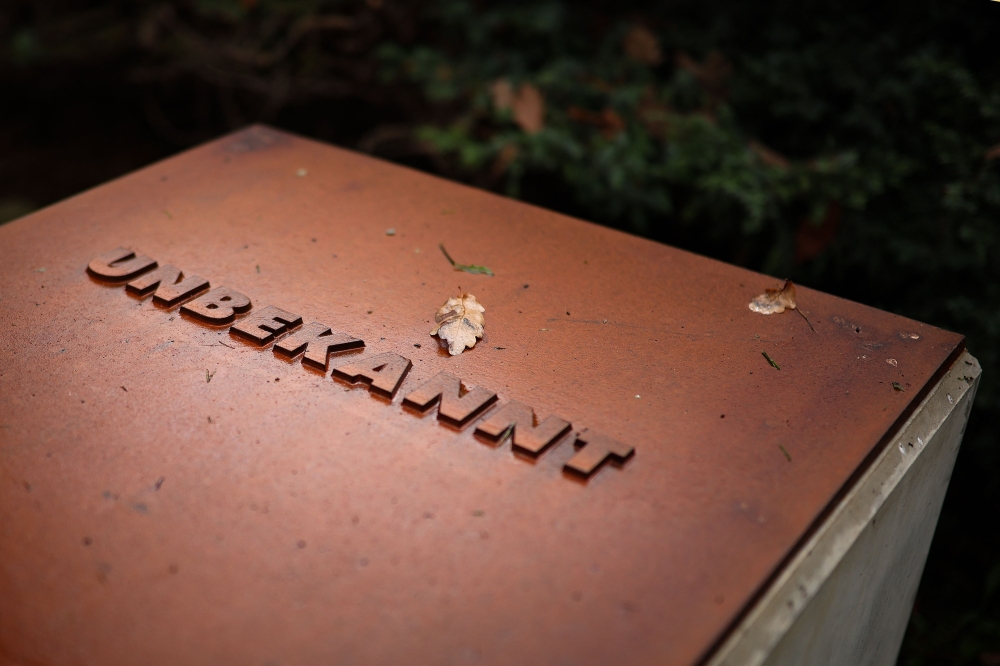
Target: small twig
<point x="468" y="268"/>
<point x="446" y="255"/>
<point x="771" y="361"/>
<point x="807" y="320"/>
<point x="506" y="434"/>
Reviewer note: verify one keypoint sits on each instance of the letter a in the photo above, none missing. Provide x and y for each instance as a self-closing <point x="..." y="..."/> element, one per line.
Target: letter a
<point x="384" y="372"/>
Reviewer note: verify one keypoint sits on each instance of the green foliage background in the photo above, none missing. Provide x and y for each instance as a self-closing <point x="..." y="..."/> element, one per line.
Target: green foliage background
<point x="851" y="146"/>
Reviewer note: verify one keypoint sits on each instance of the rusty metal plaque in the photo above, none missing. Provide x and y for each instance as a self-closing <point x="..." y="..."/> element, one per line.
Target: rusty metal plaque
<point x="226" y="435"/>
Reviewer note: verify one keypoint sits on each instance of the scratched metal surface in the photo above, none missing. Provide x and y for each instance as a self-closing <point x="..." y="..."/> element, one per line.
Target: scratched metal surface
<point x="274" y="515"/>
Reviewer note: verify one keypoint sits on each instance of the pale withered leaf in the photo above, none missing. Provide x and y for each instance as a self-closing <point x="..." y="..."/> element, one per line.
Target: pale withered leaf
<point x="774" y="301"/>
<point x="642" y="46"/>
<point x="460" y="322"/>
<point x="527" y="104"/>
<point x="529" y="109"/>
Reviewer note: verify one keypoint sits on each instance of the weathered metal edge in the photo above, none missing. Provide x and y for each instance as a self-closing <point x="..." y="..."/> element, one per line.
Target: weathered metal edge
<point x="826" y="515"/>
<point x="775" y="611"/>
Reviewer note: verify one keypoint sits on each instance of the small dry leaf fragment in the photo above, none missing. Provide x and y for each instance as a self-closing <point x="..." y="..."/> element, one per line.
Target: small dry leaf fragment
<point x="610" y="123"/>
<point x="529" y="109"/>
<point x="897" y="386"/>
<point x="774" y="301"/>
<point x="503" y="160"/>
<point x="460" y="322"/>
<point x="526" y="104"/>
<point x="503" y="94"/>
<point x="642" y="46"/>
<point x="468" y="268"/>
<point x="713" y="74"/>
<point x="768" y="156"/>
<point x="893" y="362"/>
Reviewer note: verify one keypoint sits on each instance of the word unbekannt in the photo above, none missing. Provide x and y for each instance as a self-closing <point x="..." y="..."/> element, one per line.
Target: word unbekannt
<point x="383" y="373"/>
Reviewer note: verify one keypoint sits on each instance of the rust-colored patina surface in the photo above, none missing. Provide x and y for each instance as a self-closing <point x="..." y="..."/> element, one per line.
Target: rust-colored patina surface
<point x="175" y="493"/>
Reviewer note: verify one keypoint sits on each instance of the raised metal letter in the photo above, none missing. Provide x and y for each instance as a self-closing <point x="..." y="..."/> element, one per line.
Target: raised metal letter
<point x="119" y="265"/>
<point x="384" y="372"/>
<point x="455" y="408"/>
<point x="263" y="325"/>
<point x="318" y="342"/>
<point x="217" y="307"/>
<point x="170" y="284"/>
<point x="528" y="436"/>
<point x="597" y="448"/>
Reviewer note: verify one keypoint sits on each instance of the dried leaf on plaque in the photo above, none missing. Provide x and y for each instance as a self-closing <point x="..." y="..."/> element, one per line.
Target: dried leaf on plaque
<point x="460" y="323"/>
<point x="775" y="301"/>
